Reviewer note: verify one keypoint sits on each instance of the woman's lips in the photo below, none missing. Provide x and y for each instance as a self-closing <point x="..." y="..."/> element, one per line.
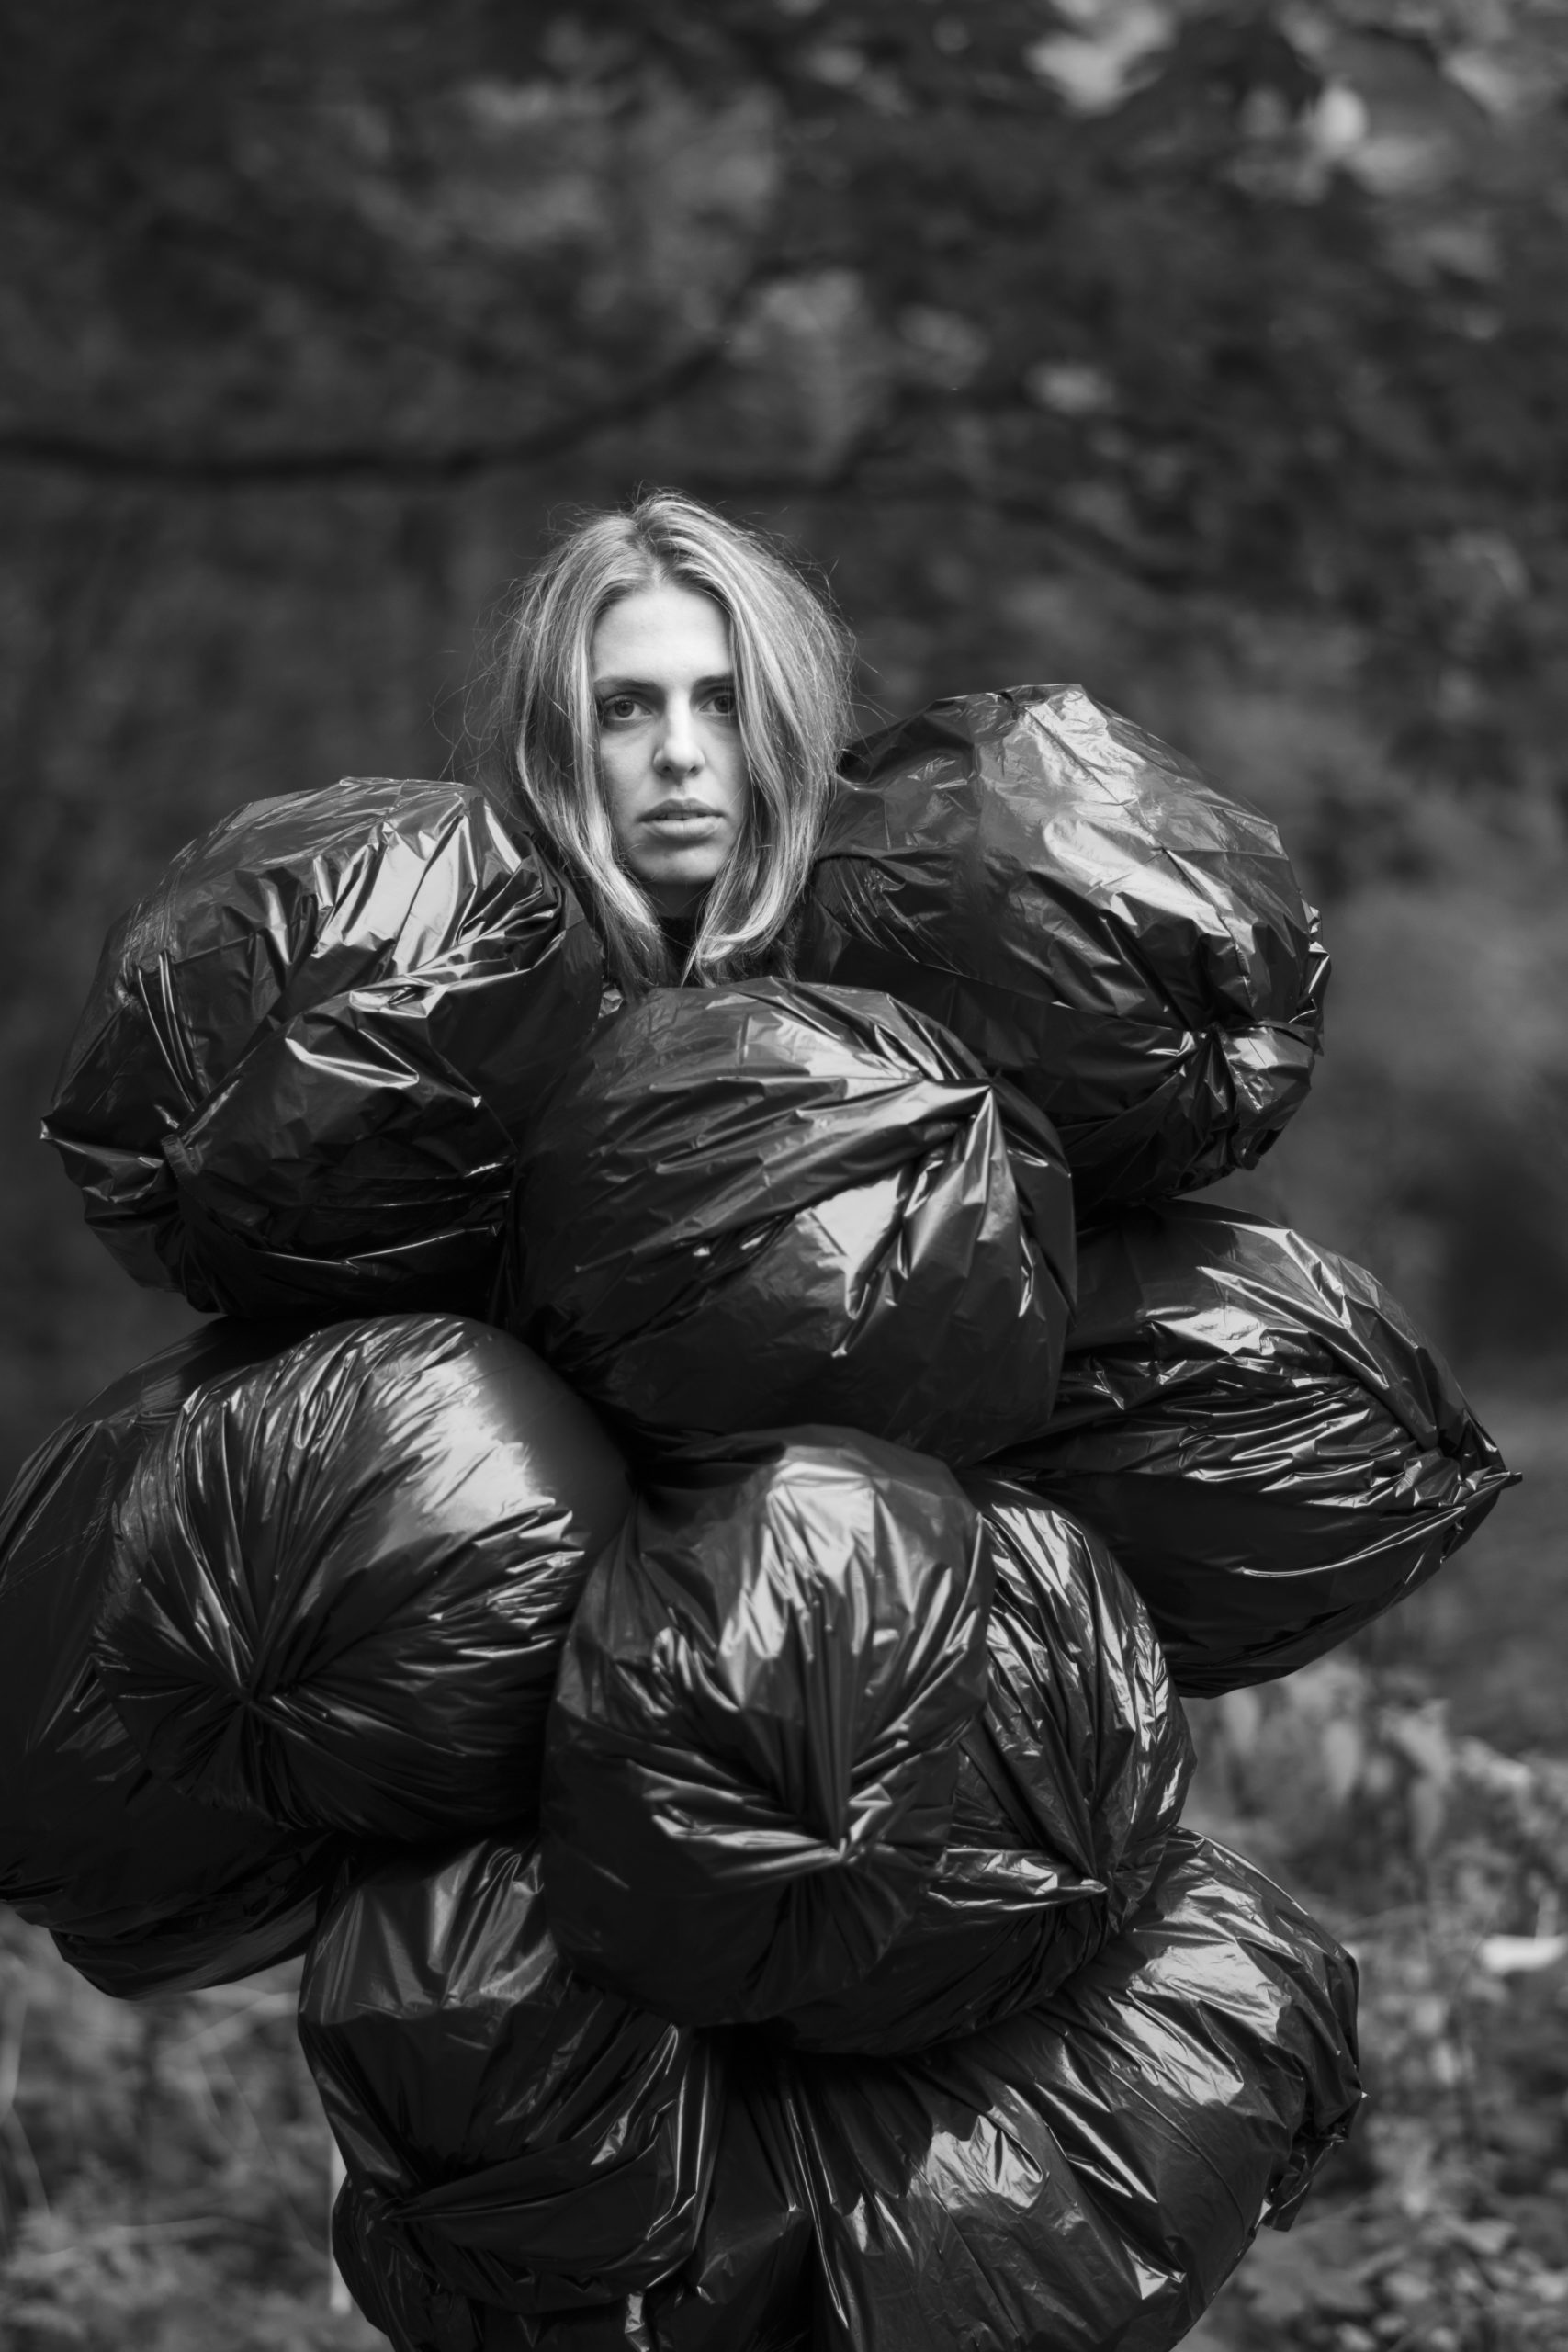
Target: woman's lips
<point x="683" y="821"/>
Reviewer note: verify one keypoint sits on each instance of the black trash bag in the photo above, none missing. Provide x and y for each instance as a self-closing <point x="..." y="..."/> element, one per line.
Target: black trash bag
<point x="760" y="1205"/>
<point x="1270" y="1448"/>
<point x="753" y="1749"/>
<point x="539" y="2144"/>
<point x="1084" y="2177"/>
<point x="145" y="1890"/>
<point x="395" y="2291"/>
<point x="749" y="2279"/>
<point x="1069" y="1784"/>
<point x="344" y="1577"/>
<point x="300" y="1078"/>
<point x="746" y="2283"/>
<point x="1081" y="2179"/>
<point x="1126" y="943"/>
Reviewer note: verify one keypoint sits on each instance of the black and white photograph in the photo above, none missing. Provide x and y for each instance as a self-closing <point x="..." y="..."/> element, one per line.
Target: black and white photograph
<point x="783" y="1168"/>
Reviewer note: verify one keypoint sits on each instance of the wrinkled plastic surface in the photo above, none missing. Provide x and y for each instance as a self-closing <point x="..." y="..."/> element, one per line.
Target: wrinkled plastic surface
<point x="1069" y="1783"/>
<point x="300" y="1075"/>
<point x="145" y="1889"/>
<point x="1084" y="2177"/>
<point x="753" y="1747"/>
<point x="543" y="2144"/>
<point x="342" y="1578"/>
<point x="746" y="2283"/>
<point x="762" y="1206"/>
<point x="1270" y="1448"/>
<point x="396" y="2292"/>
<point x="749" y="2280"/>
<point x="1067" y="896"/>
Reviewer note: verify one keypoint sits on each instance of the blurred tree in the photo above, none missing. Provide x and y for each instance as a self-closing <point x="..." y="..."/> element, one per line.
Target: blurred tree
<point x="1265" y="298"/>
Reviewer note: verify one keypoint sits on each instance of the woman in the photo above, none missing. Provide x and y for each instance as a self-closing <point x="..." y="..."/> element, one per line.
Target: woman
<point x="673" y="697"/>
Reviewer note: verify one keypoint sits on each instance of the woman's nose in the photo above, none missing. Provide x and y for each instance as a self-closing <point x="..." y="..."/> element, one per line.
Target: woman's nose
<point x="679" y="749"/>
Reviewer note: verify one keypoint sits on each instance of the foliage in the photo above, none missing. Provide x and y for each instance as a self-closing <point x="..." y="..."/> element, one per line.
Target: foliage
<point x="1262" y="296"/>
<point x="161" y="2164"/>
<point x="1444" y="1864"/>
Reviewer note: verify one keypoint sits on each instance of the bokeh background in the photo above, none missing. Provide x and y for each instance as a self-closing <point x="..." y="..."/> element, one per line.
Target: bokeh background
<point x="1216" y="358"/>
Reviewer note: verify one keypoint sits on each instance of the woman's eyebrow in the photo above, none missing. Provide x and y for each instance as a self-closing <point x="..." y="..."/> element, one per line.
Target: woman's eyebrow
<point x="617" y="684"/>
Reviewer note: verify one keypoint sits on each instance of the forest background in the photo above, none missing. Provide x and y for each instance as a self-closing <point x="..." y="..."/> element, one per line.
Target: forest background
<point x="1216" y="358"/>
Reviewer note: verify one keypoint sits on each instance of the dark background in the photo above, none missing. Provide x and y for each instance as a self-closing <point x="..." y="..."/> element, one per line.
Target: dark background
<point x="1215" y="358"/>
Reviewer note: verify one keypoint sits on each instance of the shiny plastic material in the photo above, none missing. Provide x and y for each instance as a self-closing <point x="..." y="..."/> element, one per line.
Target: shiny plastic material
<point x="1097" y="924"/>
<point x="396" y="2292"/>
<point x="760" y="1205"/>
<point x="545" y="2146"/>
<point x="342" y="1578"/>
<point x="300" y="1075"/>
<point x="145" y="1890"/>
<point x="1069" y="1784"/>
<point x="754" y="1743"/>
<point x="1088" y="2174"/>
<point x="747" y="2282"/>
<point x="1270" y="1448"/>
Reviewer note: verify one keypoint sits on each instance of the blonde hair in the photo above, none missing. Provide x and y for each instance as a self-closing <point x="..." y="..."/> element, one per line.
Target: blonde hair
<point x="793" y="660"/>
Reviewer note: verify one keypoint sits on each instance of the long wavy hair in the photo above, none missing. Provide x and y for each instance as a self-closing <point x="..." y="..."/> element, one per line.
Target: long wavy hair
<point x="793" y="666"/>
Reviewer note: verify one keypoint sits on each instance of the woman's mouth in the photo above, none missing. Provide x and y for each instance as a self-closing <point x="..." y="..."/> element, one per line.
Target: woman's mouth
<point x="681" y="817"/>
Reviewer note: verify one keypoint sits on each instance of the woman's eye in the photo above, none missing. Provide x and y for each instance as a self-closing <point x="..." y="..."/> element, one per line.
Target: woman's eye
<point x="723" y="704"/>
<point x="617" y="708"/>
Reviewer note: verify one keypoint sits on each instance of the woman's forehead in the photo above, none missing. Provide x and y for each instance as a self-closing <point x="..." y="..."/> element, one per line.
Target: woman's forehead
<point x="666" y="632"/>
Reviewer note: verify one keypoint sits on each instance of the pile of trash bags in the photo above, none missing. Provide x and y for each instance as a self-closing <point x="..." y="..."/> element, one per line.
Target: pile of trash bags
<point x="671" y="1579"/>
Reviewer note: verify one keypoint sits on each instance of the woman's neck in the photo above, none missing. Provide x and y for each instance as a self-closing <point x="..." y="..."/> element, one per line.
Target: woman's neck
<point x="680" y="930"/>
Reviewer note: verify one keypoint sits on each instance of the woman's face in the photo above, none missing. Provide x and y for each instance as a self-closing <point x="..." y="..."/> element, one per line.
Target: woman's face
<point x="670" y="740"/>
